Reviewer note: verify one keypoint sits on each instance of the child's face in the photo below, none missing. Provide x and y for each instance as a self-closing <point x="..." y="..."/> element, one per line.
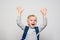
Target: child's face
<point x="32" y="21"/>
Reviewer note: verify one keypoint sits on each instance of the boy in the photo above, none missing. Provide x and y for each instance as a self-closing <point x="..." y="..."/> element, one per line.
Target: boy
<point x="31" y="31"/>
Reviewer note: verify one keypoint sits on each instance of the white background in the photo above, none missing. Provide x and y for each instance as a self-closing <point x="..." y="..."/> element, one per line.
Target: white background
<point x="8" y="15"/>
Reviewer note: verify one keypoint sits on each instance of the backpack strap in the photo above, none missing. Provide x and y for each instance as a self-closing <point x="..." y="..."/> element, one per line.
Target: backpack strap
<point x="25" y="33"/>
<point x="37" y="31"/>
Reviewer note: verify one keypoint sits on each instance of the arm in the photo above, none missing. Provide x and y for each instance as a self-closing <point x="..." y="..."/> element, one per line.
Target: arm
<point x="19" y="23"/>
<point x="44" y="24"/>
<point x="41" y="27"/>
<point x="43" y="11"/>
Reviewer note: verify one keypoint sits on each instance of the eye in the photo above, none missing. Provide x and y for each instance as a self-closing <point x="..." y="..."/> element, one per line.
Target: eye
<point x="31" y="20"/>
<point x="35" y="20"/>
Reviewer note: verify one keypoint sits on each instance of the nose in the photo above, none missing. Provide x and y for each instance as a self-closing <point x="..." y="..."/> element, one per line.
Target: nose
<point x="33" y="21"/>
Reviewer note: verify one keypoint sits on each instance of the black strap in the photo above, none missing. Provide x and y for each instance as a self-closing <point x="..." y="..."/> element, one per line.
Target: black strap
<point x="37" y="31"/>
<point x="25" y="33"/>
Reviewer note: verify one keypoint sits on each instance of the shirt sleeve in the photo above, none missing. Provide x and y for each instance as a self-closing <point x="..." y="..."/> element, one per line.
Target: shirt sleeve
<point x="41" y="27"/>
<point x="19" y="23"/>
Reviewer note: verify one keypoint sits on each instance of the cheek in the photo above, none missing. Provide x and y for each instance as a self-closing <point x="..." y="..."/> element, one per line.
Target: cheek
<point x="29" y="22"/>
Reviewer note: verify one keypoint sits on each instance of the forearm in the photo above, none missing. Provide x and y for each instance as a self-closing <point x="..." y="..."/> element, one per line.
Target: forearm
<point x="44" y="23"/>
<point x="45" y="20"/>
<point x="19" y="23"/>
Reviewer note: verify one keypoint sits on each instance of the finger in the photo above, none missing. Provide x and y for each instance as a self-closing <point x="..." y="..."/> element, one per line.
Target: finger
<point x="19" y="8"/>
<point x="45" y="9"/>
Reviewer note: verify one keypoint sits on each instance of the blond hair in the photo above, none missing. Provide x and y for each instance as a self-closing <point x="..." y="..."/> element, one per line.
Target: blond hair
<point x="31" y="16"/>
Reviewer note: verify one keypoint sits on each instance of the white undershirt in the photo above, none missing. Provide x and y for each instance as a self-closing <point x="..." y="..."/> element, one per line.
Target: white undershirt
<point x="31" y="34"/>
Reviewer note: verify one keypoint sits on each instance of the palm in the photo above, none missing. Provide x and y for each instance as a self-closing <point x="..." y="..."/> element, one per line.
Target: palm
<point x="43" y="11"/>
<point x="19" y="9"/>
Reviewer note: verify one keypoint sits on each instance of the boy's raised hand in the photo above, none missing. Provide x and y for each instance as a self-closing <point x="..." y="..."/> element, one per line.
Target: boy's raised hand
<point x="43" y="11"/>
<point x="20" y="10"/>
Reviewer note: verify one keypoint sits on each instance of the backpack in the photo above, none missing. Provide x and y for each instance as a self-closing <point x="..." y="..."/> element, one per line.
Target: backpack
<point x="26" y="30"/>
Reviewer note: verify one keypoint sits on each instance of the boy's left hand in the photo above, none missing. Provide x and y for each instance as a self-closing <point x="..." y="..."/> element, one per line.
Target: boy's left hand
<point x="43" y="11"/>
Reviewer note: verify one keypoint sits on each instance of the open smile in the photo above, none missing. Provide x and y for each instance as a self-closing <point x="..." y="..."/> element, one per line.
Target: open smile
<point x="33" y="24"/>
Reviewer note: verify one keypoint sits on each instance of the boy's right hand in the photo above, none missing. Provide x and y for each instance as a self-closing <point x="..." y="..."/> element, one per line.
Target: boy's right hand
<point x="20" y="10"/>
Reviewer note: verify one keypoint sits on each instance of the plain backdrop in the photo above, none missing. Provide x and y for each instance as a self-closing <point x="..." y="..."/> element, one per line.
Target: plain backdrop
<point x="8" y="15"/>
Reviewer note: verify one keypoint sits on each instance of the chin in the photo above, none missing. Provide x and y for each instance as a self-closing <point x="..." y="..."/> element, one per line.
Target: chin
<point x="32" y="26"/>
